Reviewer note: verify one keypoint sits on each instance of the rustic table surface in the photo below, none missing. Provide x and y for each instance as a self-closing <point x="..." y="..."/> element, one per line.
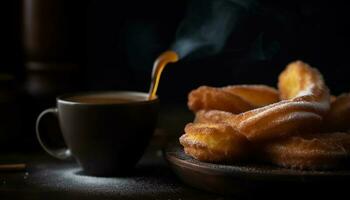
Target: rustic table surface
<point x="48" y="178"/>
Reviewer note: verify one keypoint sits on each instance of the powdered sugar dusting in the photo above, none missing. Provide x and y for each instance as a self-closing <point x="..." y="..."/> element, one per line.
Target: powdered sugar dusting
<point x="306" y="91"/>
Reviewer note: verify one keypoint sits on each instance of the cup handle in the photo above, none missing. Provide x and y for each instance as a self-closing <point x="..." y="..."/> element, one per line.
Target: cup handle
<point x="61" y="153"/>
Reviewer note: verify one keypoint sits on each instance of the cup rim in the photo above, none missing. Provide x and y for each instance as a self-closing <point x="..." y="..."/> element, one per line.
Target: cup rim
<point x="63" y="98"/>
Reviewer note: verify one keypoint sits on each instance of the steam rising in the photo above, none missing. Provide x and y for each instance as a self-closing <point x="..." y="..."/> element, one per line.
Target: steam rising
<point x="207" y="25"/>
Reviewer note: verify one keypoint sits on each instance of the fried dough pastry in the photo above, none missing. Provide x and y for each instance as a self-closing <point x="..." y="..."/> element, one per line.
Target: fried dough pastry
<point x="209" y="98"/>
<point x="314" y="151"/>
<point x="213" y="116"/>
<point x="338" y="117"/>
<point x="219" y="134"/>
<point x="273" y="126"/>
<point x="256" y="95"/>
<point x="213" y="142"/>
<point x="235" y="99"/>
<point x="305" y="100"/>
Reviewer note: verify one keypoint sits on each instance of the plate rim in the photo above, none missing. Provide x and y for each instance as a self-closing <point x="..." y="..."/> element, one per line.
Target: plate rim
<point x="171" y="156"/>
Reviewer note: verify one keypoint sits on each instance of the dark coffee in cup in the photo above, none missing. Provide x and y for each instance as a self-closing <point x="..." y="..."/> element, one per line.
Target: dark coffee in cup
<point x="106" y="98"/>
<point x="106" y="132"/>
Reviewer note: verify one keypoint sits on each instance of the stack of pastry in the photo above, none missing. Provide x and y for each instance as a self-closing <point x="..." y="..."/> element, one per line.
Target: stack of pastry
<point x="297" y="126"/>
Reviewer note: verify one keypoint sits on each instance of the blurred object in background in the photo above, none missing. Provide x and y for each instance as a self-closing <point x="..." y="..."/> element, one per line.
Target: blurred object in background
<point x="53" y="36"/>
<point x="53" y="39"/>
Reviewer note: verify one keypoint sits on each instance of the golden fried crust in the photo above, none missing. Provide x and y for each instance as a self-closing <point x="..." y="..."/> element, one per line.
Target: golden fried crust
<point x="210" y="98"/>
<point x="256" y="95"/>
<point x="234" y="99"/>
<point x="338" y="117"/>
<point x="212" y="116"/>
<point x="280" y="119"/>
<point x="299" y="80"/>
<point x="306" y="101"/>
<point x="213" y="142"/>
<point x="316" y="151"/>
<point x="270" y="124"/>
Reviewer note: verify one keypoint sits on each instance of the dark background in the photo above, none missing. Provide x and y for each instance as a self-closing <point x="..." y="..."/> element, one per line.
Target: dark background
<point x="112" y="45"/>
<point x="119" y="40"/>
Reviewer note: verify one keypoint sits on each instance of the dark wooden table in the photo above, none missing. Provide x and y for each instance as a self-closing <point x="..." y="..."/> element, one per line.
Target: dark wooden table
<point x="49" y="178"/>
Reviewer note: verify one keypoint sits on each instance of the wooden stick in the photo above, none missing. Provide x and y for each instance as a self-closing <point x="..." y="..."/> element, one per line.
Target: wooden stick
<point x="13" y="167"/>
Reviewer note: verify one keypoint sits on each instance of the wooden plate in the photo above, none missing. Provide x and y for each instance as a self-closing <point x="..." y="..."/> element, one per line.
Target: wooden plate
<point x="253" y="179"/>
